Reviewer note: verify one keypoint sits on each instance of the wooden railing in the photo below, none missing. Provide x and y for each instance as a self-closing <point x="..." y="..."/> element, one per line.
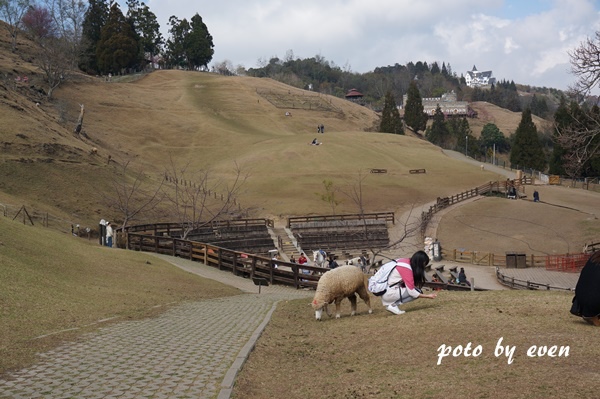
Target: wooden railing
<point x="386" y="216"/>
<point x="524" y="284"/>
<point x="562" y="262"/>
<point x="491" y="187"/>
<point x="238" y="263"/>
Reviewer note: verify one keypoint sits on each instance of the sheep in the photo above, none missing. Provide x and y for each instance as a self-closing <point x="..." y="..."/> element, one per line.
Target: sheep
<point x="337" y="284"/>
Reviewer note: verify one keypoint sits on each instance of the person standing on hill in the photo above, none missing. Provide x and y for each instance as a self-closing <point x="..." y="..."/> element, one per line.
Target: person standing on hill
<point x="109" y="235"/>
<point x="405" y="282"/>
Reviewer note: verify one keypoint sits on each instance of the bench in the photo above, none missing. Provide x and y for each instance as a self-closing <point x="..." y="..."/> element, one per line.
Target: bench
<point x="413" y="171"/>
<point x="454" y="269"/>
<point x="454" y="276"/>
<point x="378" y="170"/>
<point x="440" y="276"/>
<point x="440" y="268"/>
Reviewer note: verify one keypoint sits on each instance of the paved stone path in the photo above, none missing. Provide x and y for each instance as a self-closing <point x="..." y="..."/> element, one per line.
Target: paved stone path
<point x="191" y="351"/>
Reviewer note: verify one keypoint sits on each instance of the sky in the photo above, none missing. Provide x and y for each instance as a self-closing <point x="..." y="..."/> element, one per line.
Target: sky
<point x="526" y="41"/>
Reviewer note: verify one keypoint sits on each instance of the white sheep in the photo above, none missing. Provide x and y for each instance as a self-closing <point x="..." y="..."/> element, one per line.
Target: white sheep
<point x="337" y="284"/>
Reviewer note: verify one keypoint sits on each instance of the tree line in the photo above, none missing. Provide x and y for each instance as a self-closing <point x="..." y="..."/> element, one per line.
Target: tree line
<point x="99" y="39"/>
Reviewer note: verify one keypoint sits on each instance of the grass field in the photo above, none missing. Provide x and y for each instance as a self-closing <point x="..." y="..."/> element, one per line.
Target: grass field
<point x="387" y="356"/>
<point x="51" y="282"/>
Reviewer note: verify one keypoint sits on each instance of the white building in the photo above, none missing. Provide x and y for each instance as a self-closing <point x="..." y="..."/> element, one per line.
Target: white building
<point x="476" y="78"/>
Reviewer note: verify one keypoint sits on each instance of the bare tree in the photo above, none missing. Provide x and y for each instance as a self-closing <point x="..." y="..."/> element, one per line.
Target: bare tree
<point x="133" y="193"/>
<point x="580" y="142"/>
<point x="330" y="195"/>
<point x="585" y="64"/>
<point x="53" y="62"/>
<point x="581" y="138"/>
<point x="68" y="18"/>
<point x="408" y="226"/>
<point x="12" y="11"/>
<point x="198" y="198"/>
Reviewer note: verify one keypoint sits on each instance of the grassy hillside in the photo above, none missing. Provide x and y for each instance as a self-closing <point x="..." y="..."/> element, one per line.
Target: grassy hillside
<point x="51" y="282"/>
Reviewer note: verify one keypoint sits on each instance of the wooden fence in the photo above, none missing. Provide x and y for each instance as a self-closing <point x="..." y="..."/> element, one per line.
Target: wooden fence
<point x="238" y="263"/>
<point x="565" y="262"/>
<point x="488" y="188"/>
<point x="386" y="216"/>
<point x="524" y="284"/>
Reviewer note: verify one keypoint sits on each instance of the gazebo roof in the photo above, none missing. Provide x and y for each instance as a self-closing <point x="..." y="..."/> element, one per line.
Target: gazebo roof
<point x="354" y="93"/>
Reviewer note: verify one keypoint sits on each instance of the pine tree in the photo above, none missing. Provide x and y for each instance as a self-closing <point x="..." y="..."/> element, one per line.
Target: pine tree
<point x="118" y="47"/>
<point x="414" y="117"/>
<point x="527" y="150"/>
<point x="94" y="19"/>
<point x="146" y="27"/>
<point x="198" y="44"/>
<point x="390" y="117"/>
<point x="438" y="133"/>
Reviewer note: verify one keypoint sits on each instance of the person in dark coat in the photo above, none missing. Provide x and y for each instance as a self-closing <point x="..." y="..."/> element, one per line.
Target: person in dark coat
<point x="586" y="302"/>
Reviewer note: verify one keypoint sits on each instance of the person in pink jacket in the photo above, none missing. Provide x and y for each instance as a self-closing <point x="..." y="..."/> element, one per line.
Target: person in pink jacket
<point x="405" y="282"/>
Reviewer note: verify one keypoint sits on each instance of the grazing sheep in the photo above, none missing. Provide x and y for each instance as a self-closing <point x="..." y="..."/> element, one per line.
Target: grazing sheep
<point x="337" y="284"/>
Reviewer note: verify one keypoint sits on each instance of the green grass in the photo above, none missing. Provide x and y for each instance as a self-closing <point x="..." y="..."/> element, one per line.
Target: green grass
<point x="50" y="282"/>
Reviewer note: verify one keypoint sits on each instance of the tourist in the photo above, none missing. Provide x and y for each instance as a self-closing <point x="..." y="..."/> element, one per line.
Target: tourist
<point x="405" y="282"/>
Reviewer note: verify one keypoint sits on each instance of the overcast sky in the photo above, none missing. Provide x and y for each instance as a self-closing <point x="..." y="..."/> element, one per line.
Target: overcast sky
<point x="522" y="40"/>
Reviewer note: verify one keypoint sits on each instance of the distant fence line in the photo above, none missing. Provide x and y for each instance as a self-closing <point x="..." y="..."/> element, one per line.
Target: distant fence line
<point x="443" y="203"/>
<point x="572" y="263"/>
<point x="586" y="183"/>
<point x="30" y="216"/>
<point x="516" y="283"/>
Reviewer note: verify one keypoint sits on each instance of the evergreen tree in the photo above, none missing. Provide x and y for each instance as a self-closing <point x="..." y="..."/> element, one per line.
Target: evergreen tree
<point x="118" y="47"/>
<point x="438" y="133"/>
<point x="414" y="117"/>
<point x="527" y="150"/>
<point x="175" y="48"/>
<point x="146" y="27"/>
<point x="94" y="19"/>
<point x="198" y="44"/>
<point x="491" y="135"/>
<point x="390" y="117"/>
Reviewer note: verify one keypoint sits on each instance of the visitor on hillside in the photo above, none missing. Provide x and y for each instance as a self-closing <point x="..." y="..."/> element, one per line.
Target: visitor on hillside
<point x="586" y="302"/>
<point x="536" y="196"/>
<point x="462" y="277"/>
<point x="322" y="129"/>
<point x="318" y="129"/>
<point x="315" y="142"/>
<point x="405" y="282"/>
<point x="109" y="234"/>
<point x="292" y="259"/>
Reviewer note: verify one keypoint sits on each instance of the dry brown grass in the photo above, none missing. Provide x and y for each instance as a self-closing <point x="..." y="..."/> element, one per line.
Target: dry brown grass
<point x="206" y="121"/>
<point x="563" y="222"/>
<point x="387" y="356"/>
<point x="52" y="282"/>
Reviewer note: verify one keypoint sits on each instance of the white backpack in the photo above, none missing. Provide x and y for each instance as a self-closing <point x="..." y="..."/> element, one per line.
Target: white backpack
<point x="378" y="283"/>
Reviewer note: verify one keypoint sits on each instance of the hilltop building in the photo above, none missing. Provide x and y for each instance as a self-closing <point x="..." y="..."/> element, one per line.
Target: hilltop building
<point x="448" y="103"/>
<point x="475" y="78"/>
<point x="354" y="95"/>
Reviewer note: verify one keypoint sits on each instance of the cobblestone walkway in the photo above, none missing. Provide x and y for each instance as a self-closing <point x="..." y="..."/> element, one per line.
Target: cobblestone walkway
<point x="191" y="351"/>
